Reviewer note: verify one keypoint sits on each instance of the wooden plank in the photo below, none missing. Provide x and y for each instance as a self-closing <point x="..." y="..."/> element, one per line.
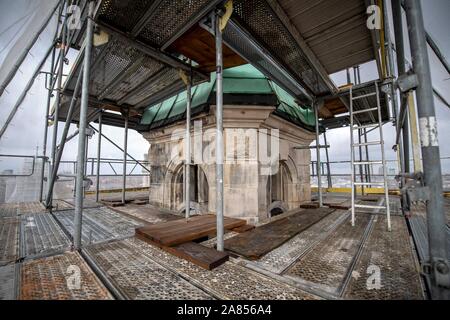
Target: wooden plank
<point x="309" y="205"/>
<point x="205" y="257"/>
<point x="180" y="231"/>
<point x="244" y="228"/>
<point x="259" y="241"/>
<point x="202" y="256"/>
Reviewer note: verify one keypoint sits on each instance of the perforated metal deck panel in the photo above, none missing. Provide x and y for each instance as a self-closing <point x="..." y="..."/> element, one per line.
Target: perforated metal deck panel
<point x="138" y="277"/>
<point x="281" y="258"/>
<point x="8" y="281"/>
<point x="41" y="234"/>
<point x="390" y="254"/>
<point x="257" y="17"/>
<point x="229" y="281"/>
<point x="329" y="263"/>
<point x="53" y="279"/>
<point x="9" y="240"/>
<point x="8" y="210"/>
<point x="99" y="224"/>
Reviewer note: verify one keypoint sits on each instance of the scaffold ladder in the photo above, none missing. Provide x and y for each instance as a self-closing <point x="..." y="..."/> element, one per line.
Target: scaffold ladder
<point x="376" y="125"/>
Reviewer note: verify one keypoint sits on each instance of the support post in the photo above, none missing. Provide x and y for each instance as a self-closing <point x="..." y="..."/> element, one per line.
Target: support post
<point x="125" y="152"/>
<point x="439" y="269"/>
<point x="99" y="152"/>
<point x="401" y="66"/>
<point x="330" y="182"/>
<point x="44" y="143"/>
<point x="54" y="172"/>
<point x="319" y="173"/>
<point x="83" y="123"/>
<point x="62" y="55"/>
<point x="219" y="134"/>
<point x="187" y="202"/>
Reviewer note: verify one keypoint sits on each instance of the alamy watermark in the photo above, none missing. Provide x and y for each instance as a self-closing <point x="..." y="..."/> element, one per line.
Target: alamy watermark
<point x="248" y="145"/>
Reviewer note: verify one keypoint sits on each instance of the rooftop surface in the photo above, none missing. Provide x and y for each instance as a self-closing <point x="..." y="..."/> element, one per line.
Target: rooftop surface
<point x="329" y="260"/>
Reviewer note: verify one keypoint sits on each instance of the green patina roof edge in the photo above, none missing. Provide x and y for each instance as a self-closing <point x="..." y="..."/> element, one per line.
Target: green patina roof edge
<point x="242" y="80"/>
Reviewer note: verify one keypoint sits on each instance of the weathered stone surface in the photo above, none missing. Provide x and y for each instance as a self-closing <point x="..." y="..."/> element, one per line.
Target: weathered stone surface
<point x="254" y="189"/>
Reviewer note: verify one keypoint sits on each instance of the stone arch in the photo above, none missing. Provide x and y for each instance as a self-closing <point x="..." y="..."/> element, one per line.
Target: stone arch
<point x="174" y="181"/>
<point x="279" y="188"/>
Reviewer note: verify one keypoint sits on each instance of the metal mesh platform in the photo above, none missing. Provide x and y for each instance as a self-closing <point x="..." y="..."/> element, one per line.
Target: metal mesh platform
<point x="41" y="234"/>
<point x="284" y="256"/>
<point x="50" y="279"/>
<point x="140" y="277"/>
<point x="8" y="276"/>
<point x="8" y="210"/>
<point x="392" y="253"/>
<point x="329" y="263"/>
<point x="99" y="224"/>
<point x="9" y="240"/>
<point x="229" y="281"/>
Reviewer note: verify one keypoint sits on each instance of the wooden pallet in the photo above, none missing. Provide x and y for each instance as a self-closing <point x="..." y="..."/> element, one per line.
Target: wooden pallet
<point x="176" y="232"/>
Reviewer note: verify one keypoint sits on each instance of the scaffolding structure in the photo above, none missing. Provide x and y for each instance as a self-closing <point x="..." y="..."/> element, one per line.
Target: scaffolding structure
<point x="148" y="72"/>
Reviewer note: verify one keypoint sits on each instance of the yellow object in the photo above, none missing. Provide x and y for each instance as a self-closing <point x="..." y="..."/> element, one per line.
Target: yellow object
<point x="184" y="77"/>
<point x="366" y="190"/>
<point x="382" y="41"/>
<point x="414" y="133"/>
<point x="227" y="15"/>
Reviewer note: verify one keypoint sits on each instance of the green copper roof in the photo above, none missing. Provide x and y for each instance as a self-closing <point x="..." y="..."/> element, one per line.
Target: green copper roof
<point x="238" y="82"/>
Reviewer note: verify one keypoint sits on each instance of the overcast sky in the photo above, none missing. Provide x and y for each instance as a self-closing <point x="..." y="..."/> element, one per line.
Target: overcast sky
<point x="25" y="133"/>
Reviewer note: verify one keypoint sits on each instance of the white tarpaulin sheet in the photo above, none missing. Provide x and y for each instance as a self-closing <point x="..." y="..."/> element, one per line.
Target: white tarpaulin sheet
<point x="34" y="23"/>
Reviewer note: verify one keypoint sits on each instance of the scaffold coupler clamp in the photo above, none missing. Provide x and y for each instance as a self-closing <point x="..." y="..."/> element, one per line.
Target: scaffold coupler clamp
<point x="439" y="270"/>
<point x="414" y="188"/>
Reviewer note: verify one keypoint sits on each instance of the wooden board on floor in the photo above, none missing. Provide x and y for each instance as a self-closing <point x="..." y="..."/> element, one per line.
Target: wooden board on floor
<point x="309" y="205"/>
<point x="244" y="228"/>
<point x="340" y="205"/>
<point x="180" y="231"/>
<point x="261" y="240"/>
<point x="202" y="256"/>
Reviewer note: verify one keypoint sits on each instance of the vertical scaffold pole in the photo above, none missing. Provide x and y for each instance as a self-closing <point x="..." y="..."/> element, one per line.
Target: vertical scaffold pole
<point x="125" y="153"/>
<point x="319" y="173"/>
<point x="99" y="153"/>
<point x="62" y="55"/>
<point x="188" y="148"/>
<point x="400" y="51"/>
<point x="81" y="157"/>
<point x="219" y="134"/>
<point x="439" y="273"/>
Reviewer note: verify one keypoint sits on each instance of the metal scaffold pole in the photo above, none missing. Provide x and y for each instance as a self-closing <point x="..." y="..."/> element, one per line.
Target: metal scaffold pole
<point x="188" y="148"/>
<point x="99" y="152"/>
<point x="319" y="172"/>
<point x="219" y="134"/>
<point x="125" y="153"/>
<point x="400" y="51"/>
<point x="62" y="55"/>
<point x="438" y="268"/>
<point x="81" y="157"/>
<point x="54" y="172"/>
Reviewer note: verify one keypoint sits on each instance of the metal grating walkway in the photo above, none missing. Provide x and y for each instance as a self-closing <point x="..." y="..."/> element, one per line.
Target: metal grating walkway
<point x="50" y="279"/>
<point x="392" y="253"/>
<point x="138" y="277"/>
<point x="99" y="224"/>
<point x="329" y="263"/>
<point x="284" y="256"/>
<point x="8" y="283"/>
<point x="9" y="240"/>
<point x="229" y="281"/>
<point x="41" y="235"/>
